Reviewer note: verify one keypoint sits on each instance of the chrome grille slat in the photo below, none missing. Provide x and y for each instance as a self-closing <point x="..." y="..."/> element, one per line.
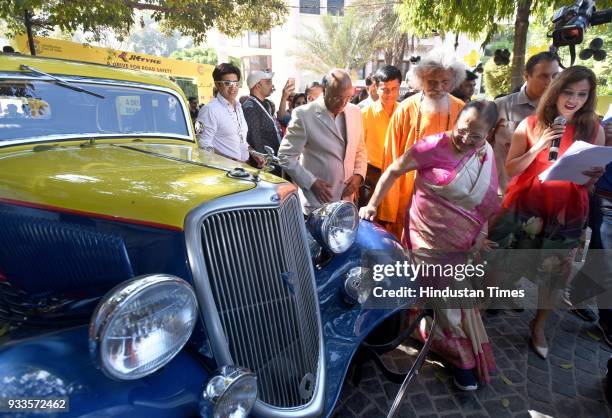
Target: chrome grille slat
<point x="304" y="270"/>
<point x="276" y="387"/>
<point x="272" y="329"/>
<point x="240" y="298"/>
<point x="263" y="346"/>
<point x="230" y="297"/>
<point x="289" y="314"/>
<point x="214" y="247"/>
<point x="246" y="284"/>
<point x="273" y="270"/>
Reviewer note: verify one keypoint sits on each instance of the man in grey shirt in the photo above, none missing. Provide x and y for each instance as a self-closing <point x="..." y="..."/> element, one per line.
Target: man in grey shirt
<point x="513" y="108"/>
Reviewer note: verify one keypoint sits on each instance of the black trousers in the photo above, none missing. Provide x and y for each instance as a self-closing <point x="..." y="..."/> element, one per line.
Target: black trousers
<point x="367" y="189"/>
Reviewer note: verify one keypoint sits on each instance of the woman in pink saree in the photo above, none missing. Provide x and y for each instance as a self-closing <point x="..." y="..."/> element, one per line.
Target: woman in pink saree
<point x="455" y="194"/>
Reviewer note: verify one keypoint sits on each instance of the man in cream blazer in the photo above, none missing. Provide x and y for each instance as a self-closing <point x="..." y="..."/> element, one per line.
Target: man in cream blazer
<point x="323" y="150"/>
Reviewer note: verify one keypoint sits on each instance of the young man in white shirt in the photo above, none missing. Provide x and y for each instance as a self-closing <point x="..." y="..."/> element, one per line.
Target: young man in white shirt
<point x="224" y="129"/>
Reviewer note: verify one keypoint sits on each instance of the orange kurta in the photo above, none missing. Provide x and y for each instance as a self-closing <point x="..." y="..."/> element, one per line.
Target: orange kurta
<point x="401" y="135"/>
<point x="375" y="124"/>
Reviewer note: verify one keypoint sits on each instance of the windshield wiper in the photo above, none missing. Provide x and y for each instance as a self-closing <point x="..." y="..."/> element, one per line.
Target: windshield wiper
<point x="59" y="81"/>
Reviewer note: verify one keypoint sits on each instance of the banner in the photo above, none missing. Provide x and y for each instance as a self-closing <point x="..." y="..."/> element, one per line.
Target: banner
<point x="200" y="74"/>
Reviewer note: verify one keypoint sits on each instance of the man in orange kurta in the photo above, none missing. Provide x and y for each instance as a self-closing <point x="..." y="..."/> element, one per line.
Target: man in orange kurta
<point x="376" y="118"/>
<point x="401" y="135"/>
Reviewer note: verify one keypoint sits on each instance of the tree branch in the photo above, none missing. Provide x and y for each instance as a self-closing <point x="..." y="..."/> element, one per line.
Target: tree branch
<point x="147" y="6"/>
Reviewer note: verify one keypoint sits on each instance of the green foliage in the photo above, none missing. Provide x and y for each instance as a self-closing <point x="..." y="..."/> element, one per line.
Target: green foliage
<point x="189" y="17"/>
<point x="496" y="79"/>
<point x="342" y="42"/>
<point x="199" y="55"/>
<point x="421" y="17"/>
<point x="503" y="39"/>
<point x="149" y="40"/>
<point x="235" y="61"/>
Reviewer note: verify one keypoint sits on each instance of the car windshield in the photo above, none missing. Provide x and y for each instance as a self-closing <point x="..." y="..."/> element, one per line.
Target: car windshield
<point x="32" y="109"/>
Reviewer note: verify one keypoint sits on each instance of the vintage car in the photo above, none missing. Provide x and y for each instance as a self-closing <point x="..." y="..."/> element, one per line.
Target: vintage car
<point x="141" y="276"/>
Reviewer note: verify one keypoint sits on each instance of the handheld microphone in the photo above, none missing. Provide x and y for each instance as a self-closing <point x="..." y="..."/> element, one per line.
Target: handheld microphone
<point x="553" y="152"/>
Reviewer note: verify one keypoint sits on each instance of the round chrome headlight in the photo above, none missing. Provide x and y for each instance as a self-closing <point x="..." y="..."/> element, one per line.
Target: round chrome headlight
<point x="231" y="392"/>
<point x="140" y="325"/>
<point x="335" y="226"/>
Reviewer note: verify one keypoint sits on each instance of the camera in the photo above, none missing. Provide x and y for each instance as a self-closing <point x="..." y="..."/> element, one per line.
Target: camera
<point x="572" y="21"/>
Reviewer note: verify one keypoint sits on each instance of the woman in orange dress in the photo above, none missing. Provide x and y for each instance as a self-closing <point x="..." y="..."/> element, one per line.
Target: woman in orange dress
<point x="549" y="215"/>
<point x="432" y="111"/>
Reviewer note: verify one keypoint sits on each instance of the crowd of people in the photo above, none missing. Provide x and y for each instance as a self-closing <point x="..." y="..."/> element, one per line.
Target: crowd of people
<point x="440" y="171"/>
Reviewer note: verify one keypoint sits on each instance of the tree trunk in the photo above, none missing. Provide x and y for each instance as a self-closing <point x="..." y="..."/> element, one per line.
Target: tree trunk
<point x="456" y="41"/>
<point x="389" y="55"/>
<point x="521" y="25"/>
<point x="28" y="25"/>
<point x="397" y="52"/>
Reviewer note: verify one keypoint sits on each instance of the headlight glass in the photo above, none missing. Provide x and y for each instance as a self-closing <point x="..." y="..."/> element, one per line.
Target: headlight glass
<point x="141" y="325"/>
<point x="232" y="392"/>
<point x="335" y="226"/>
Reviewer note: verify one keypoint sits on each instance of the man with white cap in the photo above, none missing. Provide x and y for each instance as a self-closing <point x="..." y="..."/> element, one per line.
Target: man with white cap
<point x="263" y="127"/>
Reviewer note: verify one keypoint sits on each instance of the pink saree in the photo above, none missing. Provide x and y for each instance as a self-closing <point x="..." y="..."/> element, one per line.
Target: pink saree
<point x="454" y="197"/>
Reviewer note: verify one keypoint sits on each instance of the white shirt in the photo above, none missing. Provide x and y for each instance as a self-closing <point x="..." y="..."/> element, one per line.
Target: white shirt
<point x="340" y="122"/>
<point x="225" y="128"/>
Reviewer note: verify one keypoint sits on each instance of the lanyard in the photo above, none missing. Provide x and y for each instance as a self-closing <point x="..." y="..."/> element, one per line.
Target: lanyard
<point x="418" y="125"/>
<point x="256" y="100"/>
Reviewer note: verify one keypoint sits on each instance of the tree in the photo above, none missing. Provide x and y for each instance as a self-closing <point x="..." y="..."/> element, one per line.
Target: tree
<point x="149" y="40"/>
<point x="189" y="17"/>
<point x="342" y="42"/>
<point x="478" y="18"/>
<point x="496" y="79"/>
<point x="481" y="17"/>
<point x="387" y="26"/>
<point x="200" y="55"/>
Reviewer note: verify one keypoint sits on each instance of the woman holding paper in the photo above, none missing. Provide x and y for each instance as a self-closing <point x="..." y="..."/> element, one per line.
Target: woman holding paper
<point x="549" y="215"/>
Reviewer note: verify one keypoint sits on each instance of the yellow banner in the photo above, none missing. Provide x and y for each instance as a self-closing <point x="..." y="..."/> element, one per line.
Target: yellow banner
<point x="200" y="74"/>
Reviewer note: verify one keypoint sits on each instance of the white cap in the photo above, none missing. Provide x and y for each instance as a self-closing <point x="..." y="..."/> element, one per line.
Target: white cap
<point x="256" y="76"/>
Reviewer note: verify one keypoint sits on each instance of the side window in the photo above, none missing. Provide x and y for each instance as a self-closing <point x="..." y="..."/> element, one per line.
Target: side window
<point x="12" y="107"/>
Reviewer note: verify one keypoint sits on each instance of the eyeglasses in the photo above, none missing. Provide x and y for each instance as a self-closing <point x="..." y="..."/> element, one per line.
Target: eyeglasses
<point x="473" y="138"/>
<point x="228" y="83"/>
<point x="388" y="91"/>
<point x="341" y="99"/>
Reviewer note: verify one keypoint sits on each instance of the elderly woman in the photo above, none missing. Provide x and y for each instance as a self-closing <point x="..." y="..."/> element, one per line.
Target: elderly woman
<point x="432" y="111"/>
<point x="455" y="194"/>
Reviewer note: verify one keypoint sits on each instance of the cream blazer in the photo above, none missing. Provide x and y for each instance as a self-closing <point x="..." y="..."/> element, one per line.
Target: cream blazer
<point x="313" y="148"/>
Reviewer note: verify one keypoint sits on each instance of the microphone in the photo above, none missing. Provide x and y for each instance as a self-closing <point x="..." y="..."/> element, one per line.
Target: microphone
<point x="553" y="152"/>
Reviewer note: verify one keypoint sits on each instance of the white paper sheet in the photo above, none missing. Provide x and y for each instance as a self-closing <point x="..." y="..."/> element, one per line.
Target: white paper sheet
<point x="580" y="156"/>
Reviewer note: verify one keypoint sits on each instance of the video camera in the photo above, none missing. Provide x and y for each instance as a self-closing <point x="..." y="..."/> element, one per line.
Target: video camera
<point x="572" y="21"/>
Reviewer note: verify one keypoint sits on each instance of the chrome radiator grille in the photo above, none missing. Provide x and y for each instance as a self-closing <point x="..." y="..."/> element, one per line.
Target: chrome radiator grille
<point x="259" y="270"/>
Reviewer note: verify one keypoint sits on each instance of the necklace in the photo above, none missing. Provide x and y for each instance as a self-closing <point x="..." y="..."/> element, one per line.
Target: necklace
<point x="418" y="125"/>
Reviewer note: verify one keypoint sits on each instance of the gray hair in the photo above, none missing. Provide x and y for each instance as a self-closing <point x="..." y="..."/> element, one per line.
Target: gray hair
<point x="436" y="60"/>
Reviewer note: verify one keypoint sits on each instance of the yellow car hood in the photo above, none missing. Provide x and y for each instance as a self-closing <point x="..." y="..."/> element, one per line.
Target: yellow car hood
<point x="154" y="184"/>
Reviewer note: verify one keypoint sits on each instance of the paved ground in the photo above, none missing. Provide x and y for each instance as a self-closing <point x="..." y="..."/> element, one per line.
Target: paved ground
<point x="568" y="384"/>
